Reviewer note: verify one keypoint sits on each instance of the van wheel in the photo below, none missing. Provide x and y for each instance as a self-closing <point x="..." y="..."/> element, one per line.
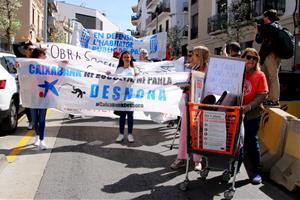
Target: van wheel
<point x="11" y="122"/>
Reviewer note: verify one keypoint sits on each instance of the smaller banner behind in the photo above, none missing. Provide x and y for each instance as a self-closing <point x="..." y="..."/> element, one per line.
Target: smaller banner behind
<point x="108" y="42"/>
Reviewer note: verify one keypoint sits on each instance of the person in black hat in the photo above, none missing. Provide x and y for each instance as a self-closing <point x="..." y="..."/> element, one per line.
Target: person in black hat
<point x="266" y="36"/>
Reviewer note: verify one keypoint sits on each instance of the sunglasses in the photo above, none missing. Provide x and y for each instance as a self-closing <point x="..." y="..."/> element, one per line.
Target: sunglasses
<point x="252" y="58"/>
<point x="30" y="49"/>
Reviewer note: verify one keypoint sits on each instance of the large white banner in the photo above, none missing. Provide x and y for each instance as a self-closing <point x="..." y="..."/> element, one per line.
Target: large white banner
<point x="108" y="42"/>
<point x="89" y="59"/>
<point x="71" y="88"/>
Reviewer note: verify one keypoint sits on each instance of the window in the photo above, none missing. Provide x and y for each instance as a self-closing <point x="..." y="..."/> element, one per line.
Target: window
<point x="33" y="12"/>
<point x="9" y="64"/>
<point x="38" y="21"/>
<point x="194" y="26"/>
<point x="261" y="5"/>
<point x="160" y="28"/>
<point x="193" y="1"/>
<point x="167" y="25"/>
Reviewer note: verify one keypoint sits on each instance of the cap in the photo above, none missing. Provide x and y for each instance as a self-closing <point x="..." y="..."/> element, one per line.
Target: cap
<point x="144" y="51"/>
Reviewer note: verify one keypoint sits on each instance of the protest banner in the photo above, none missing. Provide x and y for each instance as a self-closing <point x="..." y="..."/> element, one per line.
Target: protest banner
<point x="70" y="88"/>
<point x="225" y="74"/>
<point x="103" y="62"/>
<point x="108" y="42"/>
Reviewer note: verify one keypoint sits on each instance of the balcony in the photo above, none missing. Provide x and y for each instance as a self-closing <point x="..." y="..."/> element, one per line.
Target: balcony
<point x="134" y="8"/>
<point x="161" y="8"/>
<point x="135" y="19"/>
<point x="185" y="7"/>
<point x="52" y="5"/>
<point x="217" y="22"/>
<point x="148" y="2"/>
<point x="259" y="6"/>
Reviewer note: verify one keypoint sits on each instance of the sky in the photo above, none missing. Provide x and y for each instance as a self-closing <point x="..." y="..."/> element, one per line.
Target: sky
<point x="117" y="11"/>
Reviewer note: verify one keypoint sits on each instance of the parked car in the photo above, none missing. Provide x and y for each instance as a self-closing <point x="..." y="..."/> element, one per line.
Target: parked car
<point x="9" y="93"/>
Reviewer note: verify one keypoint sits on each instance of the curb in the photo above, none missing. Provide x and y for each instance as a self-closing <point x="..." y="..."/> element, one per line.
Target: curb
<point x="3" y="162"/>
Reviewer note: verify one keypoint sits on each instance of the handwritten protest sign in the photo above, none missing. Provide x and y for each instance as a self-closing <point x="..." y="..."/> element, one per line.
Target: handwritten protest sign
<point x="225" y="74"/>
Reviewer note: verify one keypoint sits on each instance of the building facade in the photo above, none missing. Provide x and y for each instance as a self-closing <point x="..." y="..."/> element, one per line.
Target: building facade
<point x="31" y="15"/>
<point x="152" y="16"/>
<point x="217" y="22"/>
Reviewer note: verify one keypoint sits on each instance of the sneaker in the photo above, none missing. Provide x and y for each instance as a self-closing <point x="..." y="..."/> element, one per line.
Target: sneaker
<point x="36" y="141"/>
<point x="256" y="180"/>
<point x="43" y="145"/>
<point x="120" y="138"/>
<point x="178" y="163"/>
<point x="130" y="138"/>
<point x="30" y="126"/>
<point x="198" y="166"/>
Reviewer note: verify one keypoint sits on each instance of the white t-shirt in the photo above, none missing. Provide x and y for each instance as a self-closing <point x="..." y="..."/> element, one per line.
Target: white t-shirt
<point x="128" y="72"/>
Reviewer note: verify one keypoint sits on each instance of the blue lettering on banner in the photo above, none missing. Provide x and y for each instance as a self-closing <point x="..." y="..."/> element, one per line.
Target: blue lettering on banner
<point x="114" y="92"/>
<point x="85" y="38"/>
<point x="153" y="44"/>
<point x="53" y="70"/>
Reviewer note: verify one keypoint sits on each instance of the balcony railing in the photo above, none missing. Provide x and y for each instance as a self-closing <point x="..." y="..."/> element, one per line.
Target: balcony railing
<point x="135" y="17"/>
<point x="217" y="22"/>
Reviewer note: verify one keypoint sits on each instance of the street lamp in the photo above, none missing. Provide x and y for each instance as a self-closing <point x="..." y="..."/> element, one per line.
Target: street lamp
<point x="154" y="12"/>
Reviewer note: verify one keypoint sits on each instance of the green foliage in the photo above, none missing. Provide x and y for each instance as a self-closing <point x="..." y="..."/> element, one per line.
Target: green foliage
<point x="9" y="25"/>
<point x="57" y="34"/>
<point x="174" y="39"/>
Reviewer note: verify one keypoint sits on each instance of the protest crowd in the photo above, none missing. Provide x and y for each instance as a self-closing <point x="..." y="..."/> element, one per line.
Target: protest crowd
<point x="134" y="86"/>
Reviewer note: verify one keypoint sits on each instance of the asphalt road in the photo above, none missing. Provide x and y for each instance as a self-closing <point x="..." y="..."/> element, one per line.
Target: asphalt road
<point x="84" y="162"/>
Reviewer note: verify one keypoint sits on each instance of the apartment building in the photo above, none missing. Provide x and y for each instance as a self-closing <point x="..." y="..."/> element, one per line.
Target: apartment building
<point x="31" y="15"/>
<point x="152" y="16"/>
<point x="215" y="22"/>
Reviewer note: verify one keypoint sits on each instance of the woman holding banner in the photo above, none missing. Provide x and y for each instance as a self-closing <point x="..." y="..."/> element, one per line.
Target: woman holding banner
<point x="198" y="62"/>
<point x="255" y="92"/>
<point x="39" y="114"/>
<point x="125" y="68"/>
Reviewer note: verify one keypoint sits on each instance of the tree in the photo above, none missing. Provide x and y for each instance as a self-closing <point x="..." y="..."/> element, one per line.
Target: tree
<point x="9" y="25"/>
<point x="57" y="34"/>
<point x="174" y="40"/>
<point x="239" y="15"/>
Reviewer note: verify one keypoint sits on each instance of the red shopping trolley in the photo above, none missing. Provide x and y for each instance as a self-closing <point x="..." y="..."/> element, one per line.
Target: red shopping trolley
<point x="214" y="131"/>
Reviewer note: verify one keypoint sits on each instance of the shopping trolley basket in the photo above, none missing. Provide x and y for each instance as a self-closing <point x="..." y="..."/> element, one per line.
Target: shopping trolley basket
<point x="214" y="130"/>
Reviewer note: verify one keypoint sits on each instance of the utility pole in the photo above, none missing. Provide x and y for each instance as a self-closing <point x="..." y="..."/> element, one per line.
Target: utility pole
<point x="45" y="20"/>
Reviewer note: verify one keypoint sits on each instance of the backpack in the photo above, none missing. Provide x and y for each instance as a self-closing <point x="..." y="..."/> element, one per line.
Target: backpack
<point x="285" y="43"/>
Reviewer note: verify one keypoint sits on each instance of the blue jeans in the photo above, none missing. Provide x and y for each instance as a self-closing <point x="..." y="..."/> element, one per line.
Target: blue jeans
<point x="39" y="119"/>
<point x="122" y="121"/>
<point x="251" y="149"/>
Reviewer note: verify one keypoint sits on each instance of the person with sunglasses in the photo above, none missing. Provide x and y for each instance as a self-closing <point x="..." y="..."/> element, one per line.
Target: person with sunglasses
<point x="27" y="53"/>
<point x="199" y="62"/>
<point x="255" y="92"/>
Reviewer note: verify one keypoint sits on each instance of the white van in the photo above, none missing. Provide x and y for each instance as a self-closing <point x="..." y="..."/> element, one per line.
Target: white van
<point x="9" y="93"/>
